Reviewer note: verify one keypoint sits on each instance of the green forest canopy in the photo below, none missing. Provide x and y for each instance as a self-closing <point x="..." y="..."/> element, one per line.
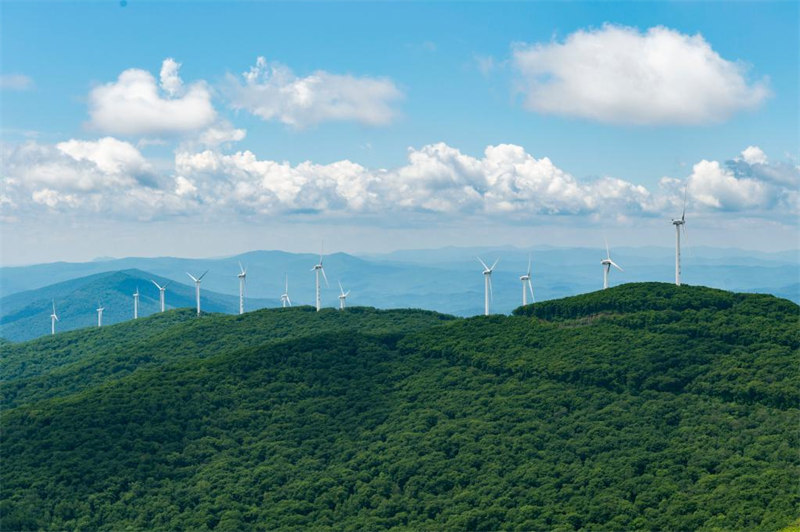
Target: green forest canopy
<point x="645" y="406"/>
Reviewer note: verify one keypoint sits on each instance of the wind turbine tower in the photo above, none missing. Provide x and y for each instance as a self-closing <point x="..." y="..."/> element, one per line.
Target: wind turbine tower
<point x="161" y="291"/>
<point x="136" y="304"/>
<point x="100" y="310"/>
<point x="678" y="223"/>
<point x="487" y="281"/>
<point x="317" y="269"/>
<point x="526" y="283"/>
<point x="53" y="319"/>
<point x="342" y="296"/>
<point x="607" y="264"/>
<point x="197" y="287"/>
<point x="285" y="296"/>
<point x="242" y="277"/>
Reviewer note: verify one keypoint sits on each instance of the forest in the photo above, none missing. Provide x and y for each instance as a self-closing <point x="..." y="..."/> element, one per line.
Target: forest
<point x="643" y="407"/>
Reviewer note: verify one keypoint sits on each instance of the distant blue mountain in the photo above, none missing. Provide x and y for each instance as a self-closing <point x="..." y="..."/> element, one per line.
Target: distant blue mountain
<point x="448" y="280"/>
<point x="26" y="315"/>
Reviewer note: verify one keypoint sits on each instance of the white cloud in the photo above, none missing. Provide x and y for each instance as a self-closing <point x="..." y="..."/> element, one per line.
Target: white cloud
<point x="110" y="155"/>
<point x="221" y="133"/>
<point x="52" y="198"/>
<point x="170" y="80"/>
<point x="184" y="187"/>
<point x="754" y="155"/>
<point x="74" y="165"/>
<point x="274" y="92"/>
<point x="619" y="75"/>
<point x="745" y="184"/>
<point x="714" y="186"/>
<point x="133" y="105"/>
<point x="106" y="176"/>
<point x="15" y="82"/>
<point x="438" y="181"/>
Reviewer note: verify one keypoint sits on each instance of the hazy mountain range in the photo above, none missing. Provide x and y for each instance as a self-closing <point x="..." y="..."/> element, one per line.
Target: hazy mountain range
<point x="447" y="280"/>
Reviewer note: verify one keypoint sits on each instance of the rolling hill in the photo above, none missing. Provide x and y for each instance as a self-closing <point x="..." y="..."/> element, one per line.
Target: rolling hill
<point x="645" y="406"/>
<point x="446" y="280"/>
<point x="26" y="315"/>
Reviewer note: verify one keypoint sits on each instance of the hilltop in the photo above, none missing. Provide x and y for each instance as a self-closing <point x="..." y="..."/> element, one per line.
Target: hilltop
<point x="447" y="280"/>
<point x="26" y="315"/>
<point x="642" y="406"/>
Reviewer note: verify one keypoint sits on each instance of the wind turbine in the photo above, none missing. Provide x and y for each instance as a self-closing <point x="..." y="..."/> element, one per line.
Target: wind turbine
<point x="100" y="310"/>
<point x="607" y="264"/>
<point x="526" y="280"/>
<point x="242" y="277"/>
<point x="197" y="287"/>
<point x="161" y="290"/>
<point x="136" y="304"/>
<point x="53" y="319"/>
<point x="342" y="297"/>
<point x="285" y="296"/>
<point x="678" y="223"/>
<point x="487" y="279"/>
<point x="317" y="269"/>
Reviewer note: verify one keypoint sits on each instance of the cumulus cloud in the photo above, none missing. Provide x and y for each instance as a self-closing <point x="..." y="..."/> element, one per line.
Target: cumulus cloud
<point x="75" y="165"/>
<point x="221" y="133"/>
<point x="107" y="176"/>
<point x="110" y="155"/>
<point x="438" y="178"/>
<point x="620" y="75"/>
<point x="754" y="155"/>
<point x="170" y="80"/>
<point x="135" y="104"/>
<point x="746" y="183"/>
<point x="504" y="183"/>
<point x="15" y="82"/>
<point x="273" y="92"/>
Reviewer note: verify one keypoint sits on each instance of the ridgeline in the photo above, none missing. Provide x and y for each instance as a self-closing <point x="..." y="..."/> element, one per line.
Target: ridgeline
<point x="645" y="406"/>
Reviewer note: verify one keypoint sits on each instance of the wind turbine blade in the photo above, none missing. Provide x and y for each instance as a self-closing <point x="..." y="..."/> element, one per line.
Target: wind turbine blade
<point x="288" y="300"/>
<point x="166" y="285"/>
<point x="54" y="306"/>
<point x="530" y="286"/>
<point x="529" y="265"/>
<point x="325" y="277"/>
<point x="56" y="317"/>
<point x="241" y="270"/>
<point x="201" y="277"/>
<point x="482" y="263"/>
<point x="608" y="253"/>
<point x="287" y="284"/>
<point x="614" y="264"/>
<point x="155" y="283"/>
<point x="495" y="263"/>
<point x="192" y="276"/>
<point x="685" y="190"/>
<point x="340" y="287"/>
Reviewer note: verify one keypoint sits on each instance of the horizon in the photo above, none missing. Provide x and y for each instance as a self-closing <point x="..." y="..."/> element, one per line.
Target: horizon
<point x="382" y="254"/>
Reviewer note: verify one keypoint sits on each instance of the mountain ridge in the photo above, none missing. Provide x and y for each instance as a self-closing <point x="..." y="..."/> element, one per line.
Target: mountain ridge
<point x="611" y="415"/>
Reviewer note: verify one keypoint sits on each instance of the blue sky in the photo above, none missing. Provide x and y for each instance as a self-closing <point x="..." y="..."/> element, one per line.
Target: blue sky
<point x="409" y="96"/>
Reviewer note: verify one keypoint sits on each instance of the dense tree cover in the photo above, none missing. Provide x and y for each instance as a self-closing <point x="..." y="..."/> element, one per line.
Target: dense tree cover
<point x="625" y="420"/>
<point x="69" y="362"/>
